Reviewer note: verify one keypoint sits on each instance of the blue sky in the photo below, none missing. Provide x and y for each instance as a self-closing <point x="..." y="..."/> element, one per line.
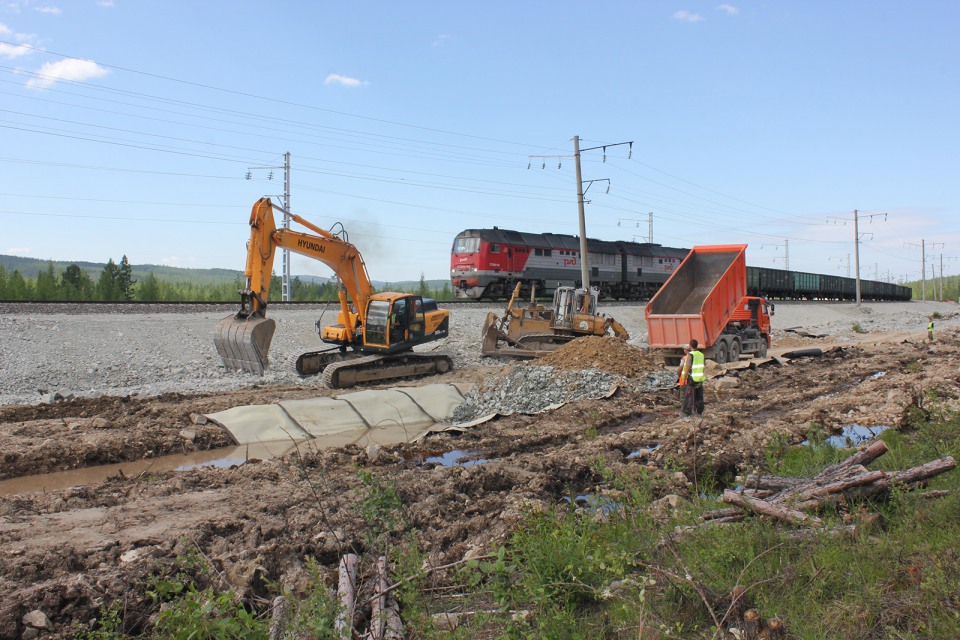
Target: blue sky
<point x="128" y="128"/>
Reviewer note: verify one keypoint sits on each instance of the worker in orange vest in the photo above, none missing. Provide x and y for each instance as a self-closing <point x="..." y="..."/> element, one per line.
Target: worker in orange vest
<point x="681" y="377"/>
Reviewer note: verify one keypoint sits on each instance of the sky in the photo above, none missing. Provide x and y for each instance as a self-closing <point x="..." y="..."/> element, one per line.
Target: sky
<point x="148" y="129"/>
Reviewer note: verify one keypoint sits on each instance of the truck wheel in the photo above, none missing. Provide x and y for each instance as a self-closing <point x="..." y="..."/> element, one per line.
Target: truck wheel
<point x="721" y="356"/>
<point x="762" y="348"/>
<point x="735" y="350"/>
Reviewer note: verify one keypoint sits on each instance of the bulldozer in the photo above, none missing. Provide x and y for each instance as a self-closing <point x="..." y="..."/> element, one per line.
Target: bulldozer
<point x="375" y="333"/>
<point x="533" y="330"/>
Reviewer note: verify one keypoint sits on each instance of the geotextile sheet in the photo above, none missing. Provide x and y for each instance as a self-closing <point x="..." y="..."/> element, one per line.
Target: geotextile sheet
<point x="373" y="416"/>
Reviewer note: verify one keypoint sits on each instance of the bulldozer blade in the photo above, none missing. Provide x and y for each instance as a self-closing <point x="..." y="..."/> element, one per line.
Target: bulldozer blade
<point x="617" y="329"/>
<point x="243" y="343"/>
<point x="490" y="335"/>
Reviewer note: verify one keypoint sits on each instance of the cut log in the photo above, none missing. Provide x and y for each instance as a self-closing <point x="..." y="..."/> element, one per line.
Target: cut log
<point x="867" y="455"/>
<point x="385" y="613"/>
<point x="720" y="513"/>
<point x="751" y="624"/>
<point x="347" y="596"/>
<point x="838" y="486"/>
<point x="765" y="508"/>
<point x="909" y="478"/>
<point x="278" y="618"/>
<point x="774" y="483"/>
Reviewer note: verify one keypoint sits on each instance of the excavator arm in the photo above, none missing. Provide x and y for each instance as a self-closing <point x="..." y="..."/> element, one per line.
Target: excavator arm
<point x="243" y="340"/>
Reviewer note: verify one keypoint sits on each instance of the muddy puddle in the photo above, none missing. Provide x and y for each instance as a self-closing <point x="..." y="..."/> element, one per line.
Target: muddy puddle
<point x="852" y="435"/>
<point x="221" y="458"/>
<point x="457" y="458"/>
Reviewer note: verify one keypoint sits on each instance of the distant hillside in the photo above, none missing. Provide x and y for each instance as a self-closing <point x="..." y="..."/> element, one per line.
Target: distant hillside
<point x="30" y="267"/>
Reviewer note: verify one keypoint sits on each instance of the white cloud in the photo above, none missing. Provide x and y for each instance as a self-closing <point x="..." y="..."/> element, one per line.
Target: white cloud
<point x="729" y="9"/>
<point x="336" y="78"/>
<point x="69" y="69"/>
<point x="106" y="4"/>
<point x="687" y="16"/>
<point x="441" y="40"/>
<point x="11" y="51"/>
<point x="18" y="251"/>
<point x="55" y="11"/>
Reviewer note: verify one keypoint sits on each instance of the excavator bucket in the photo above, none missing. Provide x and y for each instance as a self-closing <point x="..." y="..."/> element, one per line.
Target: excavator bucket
<point x="243" y="343"/>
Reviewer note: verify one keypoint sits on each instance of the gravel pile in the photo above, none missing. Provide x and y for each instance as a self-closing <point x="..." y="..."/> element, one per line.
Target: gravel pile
<point x="71" y="350"/>
<point x="531" y="389"/>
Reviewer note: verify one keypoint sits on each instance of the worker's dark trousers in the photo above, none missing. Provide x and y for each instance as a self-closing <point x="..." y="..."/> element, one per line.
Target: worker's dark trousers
<point x="693" y="398"/>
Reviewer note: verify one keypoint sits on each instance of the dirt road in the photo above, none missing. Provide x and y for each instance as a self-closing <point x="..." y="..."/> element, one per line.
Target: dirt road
<point x="67" y="552"/>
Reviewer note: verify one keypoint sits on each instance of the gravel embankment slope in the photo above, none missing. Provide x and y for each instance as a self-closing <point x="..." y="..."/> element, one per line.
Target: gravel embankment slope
<point x="75" y="352"/>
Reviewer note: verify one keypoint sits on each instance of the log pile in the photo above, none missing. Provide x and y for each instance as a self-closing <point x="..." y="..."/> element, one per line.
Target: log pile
<point x="795" y="500"/>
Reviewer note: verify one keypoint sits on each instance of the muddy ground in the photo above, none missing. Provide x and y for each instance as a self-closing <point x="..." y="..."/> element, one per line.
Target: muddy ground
<point x="67" y="552"/>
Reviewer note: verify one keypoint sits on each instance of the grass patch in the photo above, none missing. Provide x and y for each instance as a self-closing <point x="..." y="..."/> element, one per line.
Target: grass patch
<point x="627" y="574"/>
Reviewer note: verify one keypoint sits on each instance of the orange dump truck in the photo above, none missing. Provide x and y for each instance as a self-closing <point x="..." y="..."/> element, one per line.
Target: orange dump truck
<point x="706" y="298"/>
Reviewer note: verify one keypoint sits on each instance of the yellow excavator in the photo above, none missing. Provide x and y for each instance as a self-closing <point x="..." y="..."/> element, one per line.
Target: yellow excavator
<point x="375" y="332"/>
<point x="534" y="330"/>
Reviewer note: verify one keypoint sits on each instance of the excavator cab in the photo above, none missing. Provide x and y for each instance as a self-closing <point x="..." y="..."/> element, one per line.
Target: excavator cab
<point x="395" y="321"/>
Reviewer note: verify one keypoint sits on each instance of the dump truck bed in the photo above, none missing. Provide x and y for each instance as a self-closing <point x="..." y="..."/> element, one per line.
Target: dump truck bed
<point x="699" y="298"/>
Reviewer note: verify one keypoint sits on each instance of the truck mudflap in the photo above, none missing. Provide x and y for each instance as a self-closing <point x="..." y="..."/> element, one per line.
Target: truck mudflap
<point x="355" y="370"/>
<point x="243" y="342"/>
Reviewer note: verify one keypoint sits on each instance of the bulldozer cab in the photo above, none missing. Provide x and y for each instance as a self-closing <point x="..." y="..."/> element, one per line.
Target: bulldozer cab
<point x="568" y="302"/>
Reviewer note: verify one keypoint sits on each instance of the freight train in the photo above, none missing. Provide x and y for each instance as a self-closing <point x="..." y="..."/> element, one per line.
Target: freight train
<point x="488" y="263"/>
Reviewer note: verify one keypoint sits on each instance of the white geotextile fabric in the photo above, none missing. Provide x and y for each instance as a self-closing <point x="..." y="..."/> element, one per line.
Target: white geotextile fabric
<point x="373" y="416"/>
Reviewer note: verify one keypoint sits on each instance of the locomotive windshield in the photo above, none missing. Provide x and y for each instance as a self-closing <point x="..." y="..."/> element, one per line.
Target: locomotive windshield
<point x="466" y="245"/>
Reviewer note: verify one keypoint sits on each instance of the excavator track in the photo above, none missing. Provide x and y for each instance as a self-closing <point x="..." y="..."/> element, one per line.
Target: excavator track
<point x="313" y="362"/>
<point x="345" y="374"/>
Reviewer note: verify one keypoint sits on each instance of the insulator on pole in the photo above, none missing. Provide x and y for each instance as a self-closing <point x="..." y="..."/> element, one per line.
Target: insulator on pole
<point x="528" y="164"/>
<point x="544" y="165"/>
<point x="559" y="164"/>
<point x="608" y="190"/>
<point x="630" y="151"/>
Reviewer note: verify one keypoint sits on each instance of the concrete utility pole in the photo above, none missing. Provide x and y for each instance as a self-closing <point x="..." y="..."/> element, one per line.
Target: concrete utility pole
<point x="584" y="267"/>
<point x="856" y="250"/>
<point x="285" y="287"/>
<point x="650" y="222"/>
<point x="285" y="277"/>
<point x="856" y="242"/>
<point x="584" y="257"/>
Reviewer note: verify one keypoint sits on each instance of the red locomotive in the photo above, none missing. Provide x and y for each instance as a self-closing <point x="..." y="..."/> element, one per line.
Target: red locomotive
<point x="487" y="263"/>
